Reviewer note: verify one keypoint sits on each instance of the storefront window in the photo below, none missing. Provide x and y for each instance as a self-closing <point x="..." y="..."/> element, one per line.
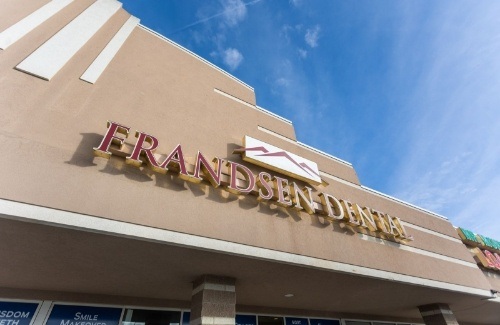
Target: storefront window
<point x="246" y="320"/>
<point x="318" y="321"/>
<point x="271" y="320"/>
<point x="353" y="322"/>
<point x="185" y="318"/>
<point x="18" y="313"/>
<point x="89" y="315"/>
<point x="296" y="321"/>
<point x="151" y="317"/>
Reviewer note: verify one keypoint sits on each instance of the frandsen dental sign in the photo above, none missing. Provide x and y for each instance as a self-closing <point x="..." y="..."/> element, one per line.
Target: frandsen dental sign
<point x="266" y="186"/>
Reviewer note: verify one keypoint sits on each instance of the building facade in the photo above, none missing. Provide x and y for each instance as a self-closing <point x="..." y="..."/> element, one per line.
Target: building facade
<point x="143" y="185"/>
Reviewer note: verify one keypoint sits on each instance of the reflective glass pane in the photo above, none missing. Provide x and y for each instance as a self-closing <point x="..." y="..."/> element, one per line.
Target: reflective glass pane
<point x="89" y="315"/>
<point x="319" y="321"/>
<point x="17" y="313"/>
<point x="185" y="318"/>
<point x="151" y="317"/>
<point x="296" y="321"/>
<point x="246" y="320"/>
<point x="271" y="320"/>
<point x="354" y="322"/>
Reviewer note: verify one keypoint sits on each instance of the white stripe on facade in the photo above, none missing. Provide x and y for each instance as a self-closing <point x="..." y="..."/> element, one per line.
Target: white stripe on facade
<point x="30" y="22"/>
<point x="340" y="180"/>
<point x="274" y="115"/>
<point x="163" y="38"/>
<point x="327" y="155"/>
<point x="432" y="232"/>
<point x="97" y="67"/>
<point x="305" y="146"/>
<point x="26" y="212"/>
<point x="416" y="250"/>
<point x="260" y="109"/>
<point x="236" y="99"/>
<point x="277" y="135"/>
<point x="49" y="58"/>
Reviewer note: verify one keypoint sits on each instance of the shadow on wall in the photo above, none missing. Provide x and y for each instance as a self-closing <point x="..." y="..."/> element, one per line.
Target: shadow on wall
<point x="84" y="157"/>
<point x="230" y="155"/>
<point x="116" y="166"/>
<point x="81" y="156"/>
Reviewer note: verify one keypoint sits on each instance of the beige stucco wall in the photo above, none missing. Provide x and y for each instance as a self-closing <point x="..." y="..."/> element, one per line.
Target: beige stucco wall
<point x="48" y="130"/>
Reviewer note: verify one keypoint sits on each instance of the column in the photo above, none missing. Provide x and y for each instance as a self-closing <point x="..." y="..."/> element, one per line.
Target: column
<point x="437" y="314"/>
<point x="213" y="301"/>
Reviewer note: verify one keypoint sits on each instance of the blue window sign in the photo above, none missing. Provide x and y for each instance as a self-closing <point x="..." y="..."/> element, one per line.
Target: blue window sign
<point x="317" y="321"/>
<point x="83" y="315"/>
<point x="246" y="320"/>
<point x="17" y="313"/>
<point x="295" y="321"/>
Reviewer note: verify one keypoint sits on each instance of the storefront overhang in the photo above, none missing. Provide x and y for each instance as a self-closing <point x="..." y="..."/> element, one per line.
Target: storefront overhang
<point x="74" y="263"/>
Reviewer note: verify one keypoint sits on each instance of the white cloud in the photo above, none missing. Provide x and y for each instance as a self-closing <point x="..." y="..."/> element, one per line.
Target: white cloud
<point x="285" y="32"/>
<point x="289" y="32"/>
<point x="296" y="3"/>
<point x="234" y="11"/>
<point x="312" y="35"/>
<point x="435" y="189"/>
<point x="477" y="214"/>
<point x="302" y="53"/>
<point x="282" y="82"/>
<point x="232" y="58"/>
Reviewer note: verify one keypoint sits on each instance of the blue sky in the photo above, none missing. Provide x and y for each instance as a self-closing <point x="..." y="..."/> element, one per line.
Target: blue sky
<point x="407" y="91"/>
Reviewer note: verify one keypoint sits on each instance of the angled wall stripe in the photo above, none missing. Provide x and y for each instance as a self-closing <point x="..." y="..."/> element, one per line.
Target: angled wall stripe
<point x="305" y="146"/>
<point x="435" y="233"/>
<point x="97" y="67"/>
<point x="338" y="179"/>
<point x="258" y="108"/>
<point x="281" y="118"/>
<point x="417" y="250"/>
<point x="30" y="22"/>
<point x="49" y="58"/>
